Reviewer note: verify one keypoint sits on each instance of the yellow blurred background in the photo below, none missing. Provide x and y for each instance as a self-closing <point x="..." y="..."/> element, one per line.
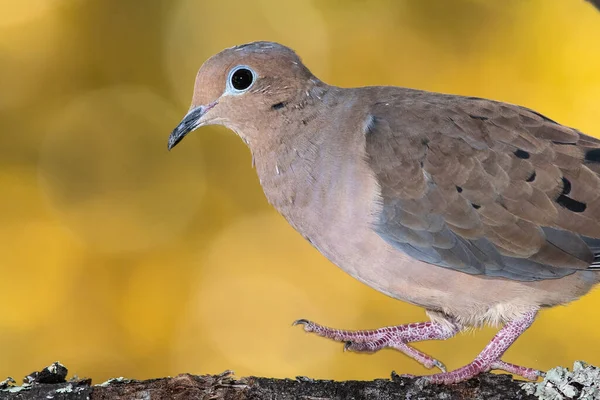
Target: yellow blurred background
<point x="121" y="259"/>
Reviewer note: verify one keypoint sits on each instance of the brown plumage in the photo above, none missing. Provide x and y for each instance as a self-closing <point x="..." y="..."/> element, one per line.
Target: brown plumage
<point x="477" y="210"/>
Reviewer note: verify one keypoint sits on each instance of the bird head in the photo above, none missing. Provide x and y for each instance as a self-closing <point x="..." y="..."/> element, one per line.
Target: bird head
<point x="242" y="87"/>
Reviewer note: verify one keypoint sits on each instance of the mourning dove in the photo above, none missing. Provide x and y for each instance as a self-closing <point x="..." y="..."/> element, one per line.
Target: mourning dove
<point x="481" y="212"/>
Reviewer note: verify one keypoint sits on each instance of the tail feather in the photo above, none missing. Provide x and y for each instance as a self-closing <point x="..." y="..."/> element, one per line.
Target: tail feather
<point x="594" y="245"/>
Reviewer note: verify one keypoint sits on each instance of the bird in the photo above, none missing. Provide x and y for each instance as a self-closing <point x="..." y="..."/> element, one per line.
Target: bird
<point x="479" y="211"/>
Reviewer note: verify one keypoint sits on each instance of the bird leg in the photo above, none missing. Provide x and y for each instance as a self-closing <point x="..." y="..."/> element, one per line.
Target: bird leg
<point x="489" y="358"/>
<point x="396" y="337"/>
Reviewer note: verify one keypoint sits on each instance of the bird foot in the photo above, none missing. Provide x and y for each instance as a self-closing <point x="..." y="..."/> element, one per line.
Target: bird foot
<point x="489" y="358"/>
<point x="475" y="368"/>
<point x="396" y="337"/>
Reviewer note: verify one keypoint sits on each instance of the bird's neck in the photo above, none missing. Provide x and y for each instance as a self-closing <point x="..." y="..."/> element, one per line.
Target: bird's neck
<point x="288" y="148"/>
<point x="307" y="158"/>
<point x="288" y="112"/>
<point x="288" y="167"/>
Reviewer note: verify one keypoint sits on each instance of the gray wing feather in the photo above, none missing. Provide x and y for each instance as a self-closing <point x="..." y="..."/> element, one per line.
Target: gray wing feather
<point x="459" y="189"/>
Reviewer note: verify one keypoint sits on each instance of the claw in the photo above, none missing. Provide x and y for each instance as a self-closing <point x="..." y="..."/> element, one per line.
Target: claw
<point x="300" y="321"/>
<point x="347" y="345"/>
<point x="438" y="364"/>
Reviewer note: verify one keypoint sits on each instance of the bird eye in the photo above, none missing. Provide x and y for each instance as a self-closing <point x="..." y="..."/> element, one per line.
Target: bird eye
<point x="241" y="78"/>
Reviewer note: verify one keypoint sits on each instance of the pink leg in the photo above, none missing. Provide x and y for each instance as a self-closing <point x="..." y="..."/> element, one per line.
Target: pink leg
<point x="489" y="358"/>
<point x="395" y="337"/>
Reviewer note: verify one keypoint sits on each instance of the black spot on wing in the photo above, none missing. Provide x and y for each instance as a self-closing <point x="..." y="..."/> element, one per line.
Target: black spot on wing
<point x="522" y="154"/>
<point x="278" y="106"/>
<point x="566" y="186"/>
<point x="571" y="204"/>
<point x="592" y="155"/>
<point x="531" y="177"/>
<point x="479" y="117"/>
<point x="564" y="143"/>
<point x="568" y="202"/>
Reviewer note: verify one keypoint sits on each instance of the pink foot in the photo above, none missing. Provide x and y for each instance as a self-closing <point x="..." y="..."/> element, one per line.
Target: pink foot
<point x="396" y="337"/>
<point x="489" y="358"/>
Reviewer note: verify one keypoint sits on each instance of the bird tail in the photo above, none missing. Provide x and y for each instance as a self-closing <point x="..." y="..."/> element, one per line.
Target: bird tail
<point x="594" y="245"/>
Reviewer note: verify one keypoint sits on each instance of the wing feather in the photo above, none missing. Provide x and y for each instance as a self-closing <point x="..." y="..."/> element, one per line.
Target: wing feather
<point x="484" y="187"/>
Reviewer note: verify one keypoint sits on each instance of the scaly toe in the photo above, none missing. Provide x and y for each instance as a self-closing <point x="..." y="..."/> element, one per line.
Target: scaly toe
<point x="527" y="373"/>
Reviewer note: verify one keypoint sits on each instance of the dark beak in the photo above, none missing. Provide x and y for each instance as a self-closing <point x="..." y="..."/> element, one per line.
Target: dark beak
<point x="190" y="122"/>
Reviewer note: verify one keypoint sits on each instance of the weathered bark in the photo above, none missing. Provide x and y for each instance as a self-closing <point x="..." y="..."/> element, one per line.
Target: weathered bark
<point x="50" y="383"/>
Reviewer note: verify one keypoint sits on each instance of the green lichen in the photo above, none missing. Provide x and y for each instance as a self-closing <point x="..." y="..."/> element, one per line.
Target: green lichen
<point x="66" y="389"/>
<point x="582" y="383"/>
<point x="113" y="380"/>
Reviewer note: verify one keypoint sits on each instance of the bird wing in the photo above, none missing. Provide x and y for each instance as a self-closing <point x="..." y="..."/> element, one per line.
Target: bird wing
<point x="484" y="187"/>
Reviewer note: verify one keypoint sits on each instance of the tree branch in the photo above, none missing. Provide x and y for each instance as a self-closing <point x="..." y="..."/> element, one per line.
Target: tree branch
<point x="51" y="383"/>
<point x="583" y="381"/>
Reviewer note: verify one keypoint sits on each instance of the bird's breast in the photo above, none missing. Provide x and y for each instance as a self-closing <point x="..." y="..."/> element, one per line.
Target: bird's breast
<point x="327" y="192"/>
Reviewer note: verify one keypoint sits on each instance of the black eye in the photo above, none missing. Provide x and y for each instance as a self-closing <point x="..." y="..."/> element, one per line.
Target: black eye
<point x="242" y="79"/>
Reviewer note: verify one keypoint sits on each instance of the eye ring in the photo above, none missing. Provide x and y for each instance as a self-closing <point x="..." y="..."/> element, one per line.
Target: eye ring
<point x="240" y="79"/>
